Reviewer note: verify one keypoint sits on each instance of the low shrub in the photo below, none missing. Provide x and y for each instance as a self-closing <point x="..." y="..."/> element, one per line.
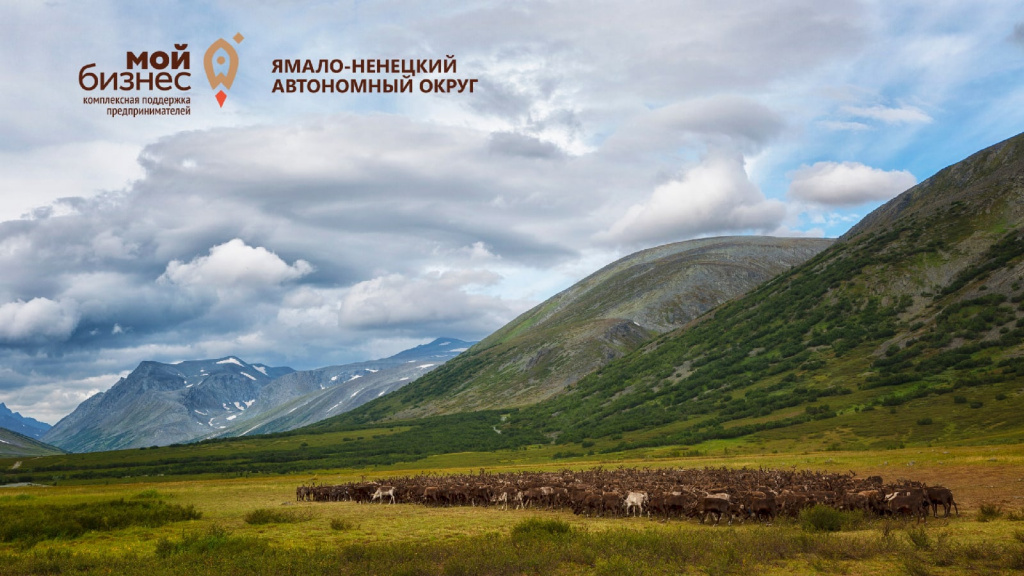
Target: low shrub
<point x="989" y="511"/>
<point x="919" y="538"/>
<point x="821" y="518"/>
<point x="148" y="495"/>
<point x="268" y="516"/>
<point x="33" y="523"/>
<point x="541" y="528"/>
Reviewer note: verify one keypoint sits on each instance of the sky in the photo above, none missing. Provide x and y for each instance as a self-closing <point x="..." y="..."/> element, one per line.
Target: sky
<point x="309" y="230"/>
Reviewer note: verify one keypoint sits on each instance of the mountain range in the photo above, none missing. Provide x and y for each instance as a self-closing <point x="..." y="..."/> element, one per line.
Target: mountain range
<point x="302" y="398"/>
<point x="159" y="404"/>
<point x="15" y="422"/>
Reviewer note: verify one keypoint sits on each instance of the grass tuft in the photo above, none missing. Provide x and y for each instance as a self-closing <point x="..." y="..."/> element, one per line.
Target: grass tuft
<point x="541" y="528"/>
<point x="821" y="518"/>
<point x="914" y="566"/>
<point x="268" y="516"/>
<point x="1015" y="558"/>
<point x="150" y="494"/>
<point x="919" y="538"/>
<point x="342" y="524"/>
<point x="988" y="511"/>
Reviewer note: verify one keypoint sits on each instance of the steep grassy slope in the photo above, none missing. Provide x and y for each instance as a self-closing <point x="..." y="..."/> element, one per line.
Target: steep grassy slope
<point x="14" y="444"/>
<point x="920" y="300"/>
<point x="603" y="317"/>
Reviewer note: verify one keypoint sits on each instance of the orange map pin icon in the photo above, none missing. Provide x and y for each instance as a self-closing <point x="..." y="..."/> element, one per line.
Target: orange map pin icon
<point x="230" y="57"/>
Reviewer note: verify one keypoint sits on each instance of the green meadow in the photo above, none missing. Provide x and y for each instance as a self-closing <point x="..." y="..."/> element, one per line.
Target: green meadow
<point x="251" y="524"/>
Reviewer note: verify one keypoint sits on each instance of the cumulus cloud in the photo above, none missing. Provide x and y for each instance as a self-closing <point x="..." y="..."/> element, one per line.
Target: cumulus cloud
<point x="53" y="172"/>
<point x="235" y="264"/>
<point x="38" y="320"/>
<point x="49" y="401"/>
<point x="438" y="301"/>
<point x="395" y="300"/>
<point x="846" y="183"/>
<point x="714" y="197"/>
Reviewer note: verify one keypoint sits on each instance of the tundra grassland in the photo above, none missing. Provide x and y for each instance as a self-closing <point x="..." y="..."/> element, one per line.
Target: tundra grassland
<point x="253" y="525"/>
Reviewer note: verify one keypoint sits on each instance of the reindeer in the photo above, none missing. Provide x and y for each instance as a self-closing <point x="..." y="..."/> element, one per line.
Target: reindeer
<point x="383" y="491"/>
<point x="636" y="500"/>
<point x="938" y="495"/>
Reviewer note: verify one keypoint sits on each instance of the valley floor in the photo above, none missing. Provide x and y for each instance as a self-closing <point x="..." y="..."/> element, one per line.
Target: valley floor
<point x="254" y="526"/>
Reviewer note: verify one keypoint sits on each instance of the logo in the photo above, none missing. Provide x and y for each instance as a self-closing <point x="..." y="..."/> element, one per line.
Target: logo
<point x="225" y="55"/>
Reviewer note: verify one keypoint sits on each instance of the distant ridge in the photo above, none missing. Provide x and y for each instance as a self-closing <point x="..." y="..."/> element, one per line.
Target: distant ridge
<point x="302" y="398"/>
<point x="160" y="404"/>
<point x="21" y="424"/>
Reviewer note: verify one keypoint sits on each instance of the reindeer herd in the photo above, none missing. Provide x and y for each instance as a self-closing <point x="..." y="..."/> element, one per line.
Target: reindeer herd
<point x="708" y="493"/>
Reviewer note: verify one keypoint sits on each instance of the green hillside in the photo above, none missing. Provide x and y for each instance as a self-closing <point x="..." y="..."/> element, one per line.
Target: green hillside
<point x="14" y="444"/>
<point x="915" y="313"/>
<point x="603" y="317"/>
<point x="908" y="329"/>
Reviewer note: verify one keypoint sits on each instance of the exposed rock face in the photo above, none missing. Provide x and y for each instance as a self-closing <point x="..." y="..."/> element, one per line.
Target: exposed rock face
<point x="302" y="398"/>
<point x="160" y="404"/>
